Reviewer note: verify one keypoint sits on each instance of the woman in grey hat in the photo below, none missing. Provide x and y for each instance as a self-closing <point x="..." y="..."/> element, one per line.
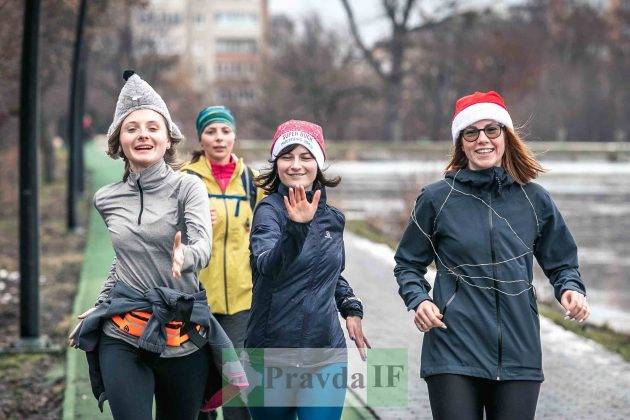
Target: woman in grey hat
<point x="153" y="318"/>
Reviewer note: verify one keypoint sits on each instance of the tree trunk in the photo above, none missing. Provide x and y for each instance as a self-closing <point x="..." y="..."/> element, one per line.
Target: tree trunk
<point x="393" y="122"/>
<point x="393" y="88"/>
<point x="48" y="152"/>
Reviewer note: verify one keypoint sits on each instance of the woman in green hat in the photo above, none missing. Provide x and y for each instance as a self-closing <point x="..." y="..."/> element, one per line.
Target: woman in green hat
<point x="233" y="196"/>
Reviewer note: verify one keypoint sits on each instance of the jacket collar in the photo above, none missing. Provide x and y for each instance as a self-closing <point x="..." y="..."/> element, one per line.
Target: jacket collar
<point x="284" y="190"/>
<point x="151" y="177"/>
<point x="202" y="167"/>
<point x="495" y="178"/>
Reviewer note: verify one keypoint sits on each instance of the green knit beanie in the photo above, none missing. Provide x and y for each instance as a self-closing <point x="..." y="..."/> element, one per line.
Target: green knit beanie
<point x="214" y="114"/>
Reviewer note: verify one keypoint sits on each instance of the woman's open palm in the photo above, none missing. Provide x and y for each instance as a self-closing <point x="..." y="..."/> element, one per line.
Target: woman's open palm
<point x="298" y="207"/>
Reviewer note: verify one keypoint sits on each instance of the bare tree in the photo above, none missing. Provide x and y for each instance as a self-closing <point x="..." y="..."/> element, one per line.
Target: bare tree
<point x="392" y="72"/>
<point x="57" y="39"/>
<point x="309" y="75"/>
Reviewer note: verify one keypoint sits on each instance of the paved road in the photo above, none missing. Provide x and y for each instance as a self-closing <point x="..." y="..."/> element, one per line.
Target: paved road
<point x="583" y="379"/>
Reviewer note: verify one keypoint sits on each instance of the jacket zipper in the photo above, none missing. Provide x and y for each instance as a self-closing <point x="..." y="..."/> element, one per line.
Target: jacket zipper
<point x="141" y="201"/>
<point x="305" y="319"/>
<point x="309" y="287"/>
<point x="497" y="300"/>
<point x="225" y="238"/>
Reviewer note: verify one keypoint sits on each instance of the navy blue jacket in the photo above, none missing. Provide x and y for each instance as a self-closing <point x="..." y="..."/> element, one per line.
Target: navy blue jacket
<point x="298" y="287"/>
<point x="485" y="230"/>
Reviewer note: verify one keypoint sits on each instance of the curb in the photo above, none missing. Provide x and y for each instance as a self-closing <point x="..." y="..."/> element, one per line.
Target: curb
<point x="355" y="408"/>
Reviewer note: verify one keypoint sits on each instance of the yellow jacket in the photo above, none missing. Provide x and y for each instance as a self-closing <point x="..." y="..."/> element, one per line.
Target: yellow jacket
<point x="228" y="277"/>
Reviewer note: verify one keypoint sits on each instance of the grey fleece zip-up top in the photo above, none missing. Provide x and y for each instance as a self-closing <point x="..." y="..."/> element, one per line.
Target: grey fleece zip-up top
<point x="142" y="215"/>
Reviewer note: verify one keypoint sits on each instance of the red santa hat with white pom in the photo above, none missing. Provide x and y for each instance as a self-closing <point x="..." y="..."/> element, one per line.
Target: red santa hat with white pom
<point x="479" y="106"/>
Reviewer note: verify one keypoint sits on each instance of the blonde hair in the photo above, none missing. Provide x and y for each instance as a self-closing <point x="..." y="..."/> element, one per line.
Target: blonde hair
<point x="518" y="160"/>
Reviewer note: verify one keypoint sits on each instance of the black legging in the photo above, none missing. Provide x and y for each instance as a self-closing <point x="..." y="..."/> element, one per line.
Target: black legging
<point x="235" y="326"/>
<point x="178" y="383"/>
<point x="465" y="398"/>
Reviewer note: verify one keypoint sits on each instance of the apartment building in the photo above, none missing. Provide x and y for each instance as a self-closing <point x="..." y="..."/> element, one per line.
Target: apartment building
<point x="219" y="43"/>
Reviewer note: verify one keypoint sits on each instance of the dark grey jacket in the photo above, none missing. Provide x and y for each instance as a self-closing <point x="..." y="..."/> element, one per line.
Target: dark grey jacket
<point x="166" y="305"/>
<point x="483" y="230"/>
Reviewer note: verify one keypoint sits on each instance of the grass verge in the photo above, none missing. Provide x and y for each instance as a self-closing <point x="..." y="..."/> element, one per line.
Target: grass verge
<point x="371" y="232"/>
<point x="604" y="335"/>
<point x="78" y="400"/>
<point x="32" y="385"/>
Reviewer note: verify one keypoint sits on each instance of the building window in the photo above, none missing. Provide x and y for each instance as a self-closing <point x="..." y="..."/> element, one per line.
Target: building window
<point x="150" y="43"/>
<point x="160" y="18"/>
<point x="239" y="96"/>
<point x="237" y="46"/>
<point x="231" y="69"/>
<point x="236" y="19"/>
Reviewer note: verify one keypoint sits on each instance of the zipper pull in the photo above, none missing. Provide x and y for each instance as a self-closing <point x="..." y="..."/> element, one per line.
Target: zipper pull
<point x="498" y="180"/>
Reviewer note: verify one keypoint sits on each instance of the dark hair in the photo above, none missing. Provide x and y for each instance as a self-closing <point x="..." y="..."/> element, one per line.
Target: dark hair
<point x="115" y="151"/>
<point x="196" y="155"/>
<point x="269" y="181"/>
<point x="518" y="160"/>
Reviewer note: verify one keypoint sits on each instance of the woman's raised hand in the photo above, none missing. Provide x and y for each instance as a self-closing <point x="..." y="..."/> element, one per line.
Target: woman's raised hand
<point x="178" y="255"/>
<point x="428" y="316"/>
<point x="298" y="207"/>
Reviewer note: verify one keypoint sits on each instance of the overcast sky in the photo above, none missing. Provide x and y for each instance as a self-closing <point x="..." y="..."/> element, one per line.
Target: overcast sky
<point x="369" y="13"/>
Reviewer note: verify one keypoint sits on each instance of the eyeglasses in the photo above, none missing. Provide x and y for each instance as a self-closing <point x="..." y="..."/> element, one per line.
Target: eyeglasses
<point x="492" y="131"/>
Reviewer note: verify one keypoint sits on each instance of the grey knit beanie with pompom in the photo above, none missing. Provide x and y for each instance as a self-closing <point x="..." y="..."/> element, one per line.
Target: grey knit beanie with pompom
<point x="138" y="94"/>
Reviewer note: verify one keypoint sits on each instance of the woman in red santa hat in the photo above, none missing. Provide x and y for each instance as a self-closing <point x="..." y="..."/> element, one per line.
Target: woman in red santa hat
<point x="482" y="225"/>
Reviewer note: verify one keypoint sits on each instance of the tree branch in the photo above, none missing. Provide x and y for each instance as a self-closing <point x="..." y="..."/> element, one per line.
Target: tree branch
<point x="390" y="9"/>
<point x="369" y="56"/>
<point x="407" y="11"/>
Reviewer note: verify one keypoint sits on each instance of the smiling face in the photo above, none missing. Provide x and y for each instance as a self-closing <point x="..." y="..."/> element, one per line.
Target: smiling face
<point x="144" y="138"/>
<point x="297" y="167"/>
<point x="484" y="153"/>
<point x="217" y="142"/>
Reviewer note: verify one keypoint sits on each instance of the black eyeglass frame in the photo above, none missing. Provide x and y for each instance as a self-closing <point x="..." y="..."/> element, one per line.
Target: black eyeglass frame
<point x="501" y="128"/>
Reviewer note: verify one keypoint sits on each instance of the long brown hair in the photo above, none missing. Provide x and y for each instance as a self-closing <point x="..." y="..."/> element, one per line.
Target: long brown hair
<point x="269" y="181"/>
<point x="115" y="151"/>
<point x="518" y="160"/>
